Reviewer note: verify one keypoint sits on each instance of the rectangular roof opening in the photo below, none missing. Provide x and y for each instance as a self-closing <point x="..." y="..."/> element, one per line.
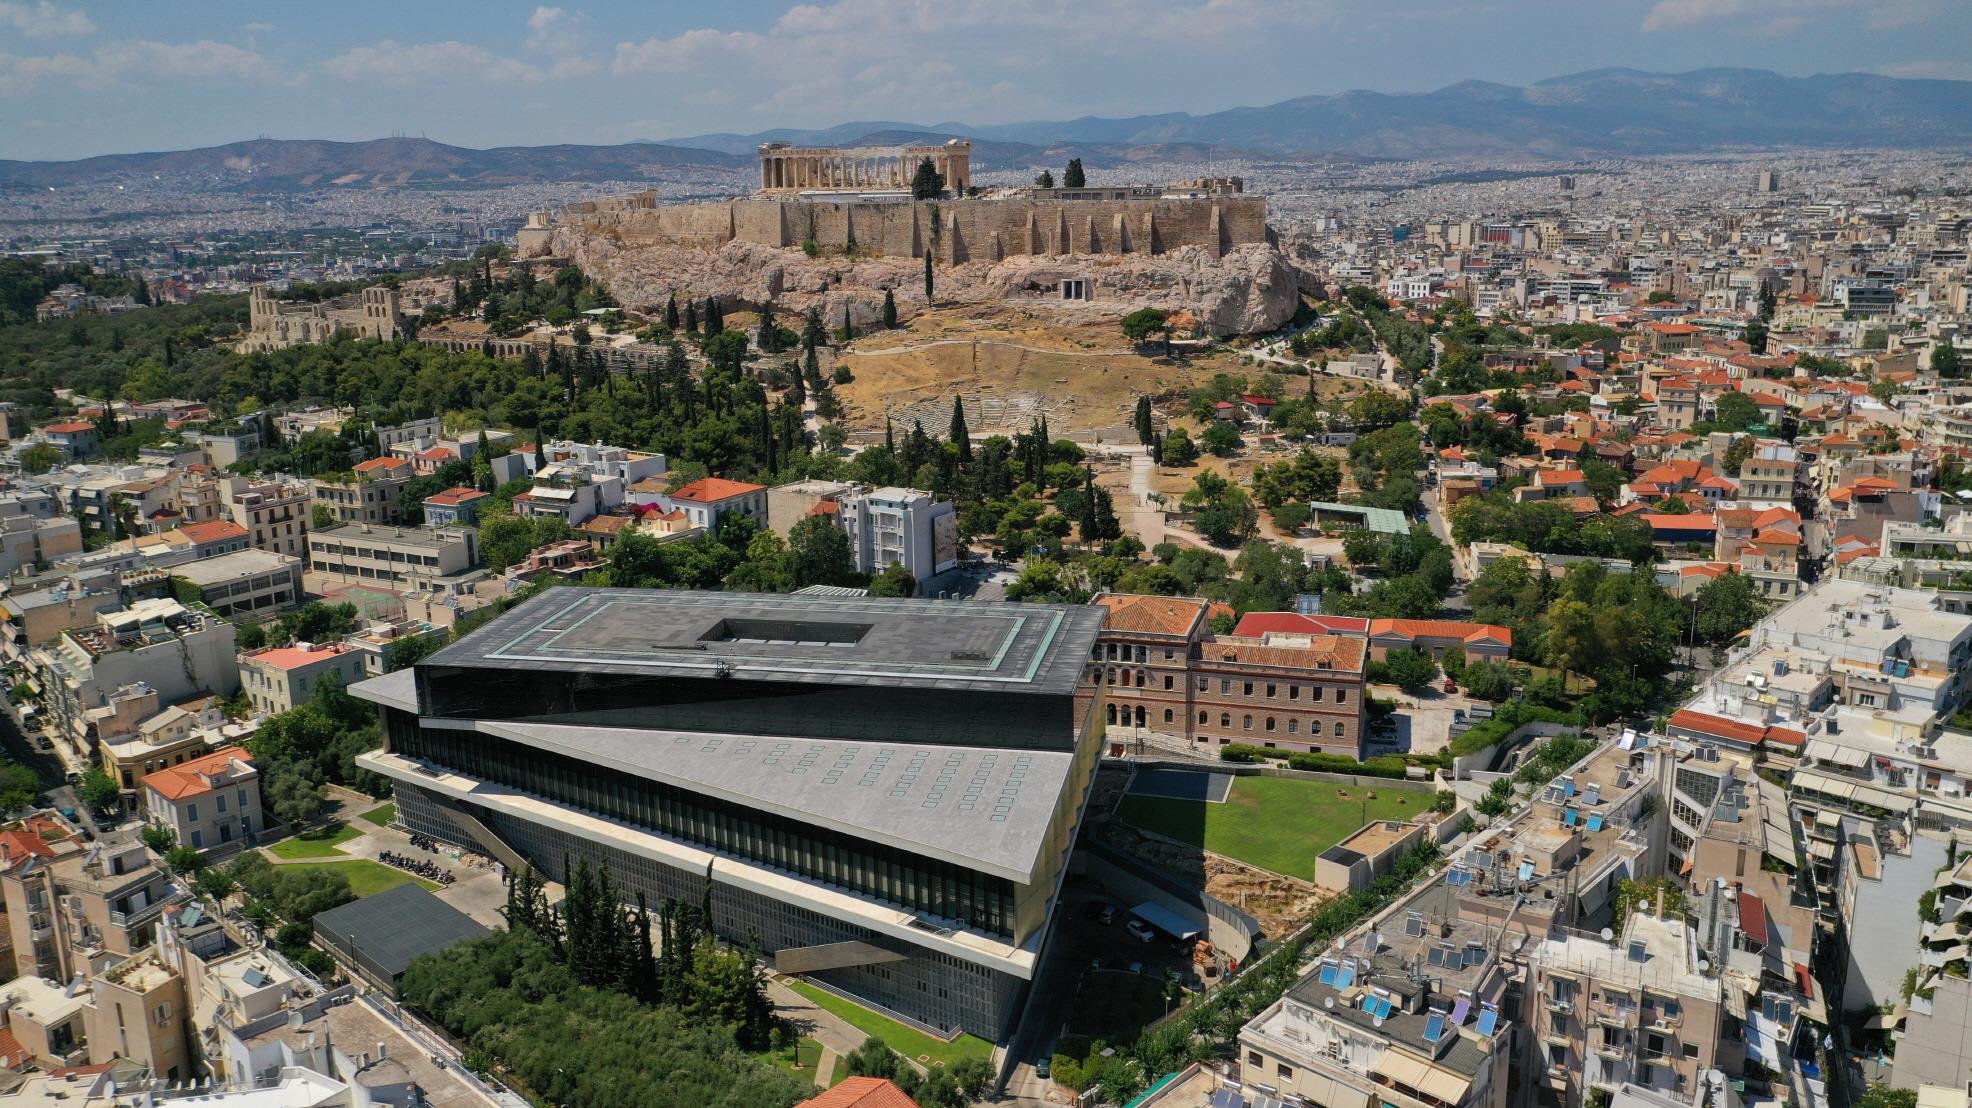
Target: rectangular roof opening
<point x="787" y="631"/>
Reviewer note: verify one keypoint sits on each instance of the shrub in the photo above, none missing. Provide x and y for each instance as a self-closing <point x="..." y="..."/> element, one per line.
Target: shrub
<point x="1241" y="752"/>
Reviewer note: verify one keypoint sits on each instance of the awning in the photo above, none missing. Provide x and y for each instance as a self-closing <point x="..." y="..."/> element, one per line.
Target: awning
<point x="1445" y="1086"/>
<point x="1835" y="788"/>
<point x="1167" y="921"/>
<point x="1899" y="803"/>
<point x="1849" y="757"/>
<point x="1403" y="1069"/>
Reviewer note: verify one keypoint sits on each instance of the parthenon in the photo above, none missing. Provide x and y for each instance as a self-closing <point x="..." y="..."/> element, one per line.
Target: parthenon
<point x="791" y="170"/>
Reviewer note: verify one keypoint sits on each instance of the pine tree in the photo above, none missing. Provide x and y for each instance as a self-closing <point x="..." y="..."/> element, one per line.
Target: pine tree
<point x="1073" y="177"/>
<point x="714" y="322"/>
<point x="889" y="310"/>
<point x="812" y="332"/>
<point x="959" y="437"/>
<point x="927" y="183"/>
<point x="671" y="312"/>
<point x="1045" y="180"/>
<point x="769" y="336"/>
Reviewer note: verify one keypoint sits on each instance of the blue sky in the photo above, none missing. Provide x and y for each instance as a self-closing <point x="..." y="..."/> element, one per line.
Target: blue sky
<point x="83" y="77"/>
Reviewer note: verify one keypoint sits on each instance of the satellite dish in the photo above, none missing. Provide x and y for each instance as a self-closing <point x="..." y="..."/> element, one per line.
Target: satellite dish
<point x="1607" y="934"/>
<point x="1377" y="1020"/>
<point x="1328" y="1002"/>
<point x="1704" y="965"/>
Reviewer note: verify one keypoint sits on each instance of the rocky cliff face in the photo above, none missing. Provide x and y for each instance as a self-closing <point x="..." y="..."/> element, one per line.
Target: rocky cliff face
<point x="1250" y="290"/>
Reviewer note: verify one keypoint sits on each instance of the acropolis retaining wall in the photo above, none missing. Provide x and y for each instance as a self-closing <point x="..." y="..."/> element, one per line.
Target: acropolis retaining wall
<point x="956" y="231"/>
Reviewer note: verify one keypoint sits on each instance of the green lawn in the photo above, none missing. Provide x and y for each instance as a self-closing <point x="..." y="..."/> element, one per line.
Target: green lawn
<point x="381" y="816"/>
<point x="810" y="1053"/>
<point x="910" y="1042"/>
<point x="367" y="878"/>
<point x="320" y="842"/>
<point x="1275" y="823"/>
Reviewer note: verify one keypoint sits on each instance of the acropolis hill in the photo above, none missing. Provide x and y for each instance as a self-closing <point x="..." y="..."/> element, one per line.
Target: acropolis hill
<point x="840" y="227"/>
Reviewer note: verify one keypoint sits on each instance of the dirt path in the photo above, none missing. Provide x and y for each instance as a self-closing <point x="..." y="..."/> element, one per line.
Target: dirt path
<point x="914" y="347"/>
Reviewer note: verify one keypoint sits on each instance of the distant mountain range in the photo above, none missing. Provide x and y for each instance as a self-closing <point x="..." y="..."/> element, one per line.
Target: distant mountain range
<point x="391" y="162"/>
<point x="1602" y="112"/>
<point x="1599" y="113"/>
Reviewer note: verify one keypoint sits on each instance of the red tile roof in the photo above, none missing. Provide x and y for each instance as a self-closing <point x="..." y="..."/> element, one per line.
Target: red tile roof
<point x="192" y="778"/>
<point x="455" y="496"/>
<point x="294" y="657"/>
<point x="375" y="464"/>
<point x="1255" y="625"/>
<point x="861" y="1092"/>
<point x="213" y="530"/>
<point x="1441" y="629"/>
<point x="712" y="490"/>
<point x="73" y="427"/>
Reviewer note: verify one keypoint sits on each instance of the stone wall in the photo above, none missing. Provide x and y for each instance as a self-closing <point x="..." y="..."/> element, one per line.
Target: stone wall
<point x="958" y="231"/>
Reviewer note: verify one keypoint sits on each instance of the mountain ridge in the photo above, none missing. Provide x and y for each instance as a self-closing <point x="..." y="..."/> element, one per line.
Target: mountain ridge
<point x="1613" y="111"/>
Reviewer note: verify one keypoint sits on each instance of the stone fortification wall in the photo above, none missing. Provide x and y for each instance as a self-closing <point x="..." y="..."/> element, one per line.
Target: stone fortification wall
<point x="955" y="231"/>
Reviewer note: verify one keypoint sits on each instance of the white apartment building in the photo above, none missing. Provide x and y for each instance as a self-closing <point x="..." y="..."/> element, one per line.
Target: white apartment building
<point x="245" y="581"/>
<point x="578" y="481"/>
<point x="274" y="512"/>
<point x="281" y="677"/>
<point x="160" y="645"/>
<point x="209" y="803"/>
<point x="401" y="557"/>
<point x="907" y="527"/>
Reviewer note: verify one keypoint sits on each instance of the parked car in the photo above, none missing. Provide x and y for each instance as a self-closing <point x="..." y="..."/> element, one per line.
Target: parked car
<point x="1044" y="1067"/>
<point x="1140" y="931"/>
<point x="1451" y="686"/>
<point x="1109" y="913"/>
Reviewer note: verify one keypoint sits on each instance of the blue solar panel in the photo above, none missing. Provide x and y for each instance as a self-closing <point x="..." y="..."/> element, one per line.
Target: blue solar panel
<point x="1568" y="787"/>
<point x="1488" y="1021"/>
<point x="1226" y="1098"/>
<point x="1434" y="1028"/>
<point x="1461" y="1010"/>
<point x="1568" y="817"/>
<point x="1595" y="823"/>
<point x="1345" y="977"/>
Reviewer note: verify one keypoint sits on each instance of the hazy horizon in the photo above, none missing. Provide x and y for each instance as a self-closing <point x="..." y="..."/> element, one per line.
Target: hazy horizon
<point x="83" y="79"/>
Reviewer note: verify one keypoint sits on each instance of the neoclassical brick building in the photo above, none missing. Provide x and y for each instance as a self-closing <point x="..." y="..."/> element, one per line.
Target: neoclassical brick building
<point x="1164" y="674"/>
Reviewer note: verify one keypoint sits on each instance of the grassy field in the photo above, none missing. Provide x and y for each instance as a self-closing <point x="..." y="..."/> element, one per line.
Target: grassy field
<point x="904" y="1040"/>
<point x="367" y="878"/>
<point x="381" y="816"/>
<point x="810" y="1054"/>
<point x="1273" y="822"/>
<point x="320" y="842"/>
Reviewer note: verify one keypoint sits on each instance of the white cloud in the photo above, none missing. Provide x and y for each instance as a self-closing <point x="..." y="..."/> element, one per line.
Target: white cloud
<point x="258" y="27"/>
<point x="45" y="20"/>
<point x="136" y="63"/>
<point x="947" y="57"/>
<point x="1947" y="69"/>
<point x="1763" y="15"/>
<point x="402" y="65"/>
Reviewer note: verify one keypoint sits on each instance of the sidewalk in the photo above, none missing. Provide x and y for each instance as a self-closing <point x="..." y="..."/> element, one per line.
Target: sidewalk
<point x="835" y="1034"/>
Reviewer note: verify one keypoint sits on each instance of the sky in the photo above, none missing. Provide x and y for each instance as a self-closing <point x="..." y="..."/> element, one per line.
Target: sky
<point x="86" y="77"/>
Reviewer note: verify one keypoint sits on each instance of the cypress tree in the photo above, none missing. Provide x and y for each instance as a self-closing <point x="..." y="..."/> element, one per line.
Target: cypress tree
<point x="691" y="317"/>
<point x="714" y="322"/>
<point x="1087" y="524"/>
<point x="959" y="436"/>
<point x="927" y="279"/>
<point x="671" y="312"/>
<point x="1073" y="177"/>
<point x="811" y="367"/>
<point x="812" y="332"/>
<point x="889" y="436"/>
<point x="1143" y="421"/>
<point x="889" y="310"/>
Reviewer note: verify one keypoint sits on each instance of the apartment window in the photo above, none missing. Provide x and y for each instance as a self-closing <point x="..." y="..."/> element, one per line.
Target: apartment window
<point x="1867" y="700"/>
<point x="1201" y="684"/>
<point x="1293" y="692"/>
<point x="1691" y="1050"/>
<point x="1167" y="715"/>
<point x="1202" y="719"/>
<point x="1270" y="692"/>
<point x="1315" y="694"/>
<point x="1225" y="685"/>
<point x="1225" y="719"/>
<point x="1167" y="681"/>
<point x="1293" y="726"/>
<point x="192" y="811"/>
<point x="1270" y="723"/>
<point x="220" y="800"/>
<point x="1248" y="690"/>
<point x="1253" y="1058"/>
<point x="1283" y="1071"/>
<point x="198" y="839"/>
<point x="1341" y="695"/>
<point x="1246" y="723"/>
<point x="1341" y="730"/>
